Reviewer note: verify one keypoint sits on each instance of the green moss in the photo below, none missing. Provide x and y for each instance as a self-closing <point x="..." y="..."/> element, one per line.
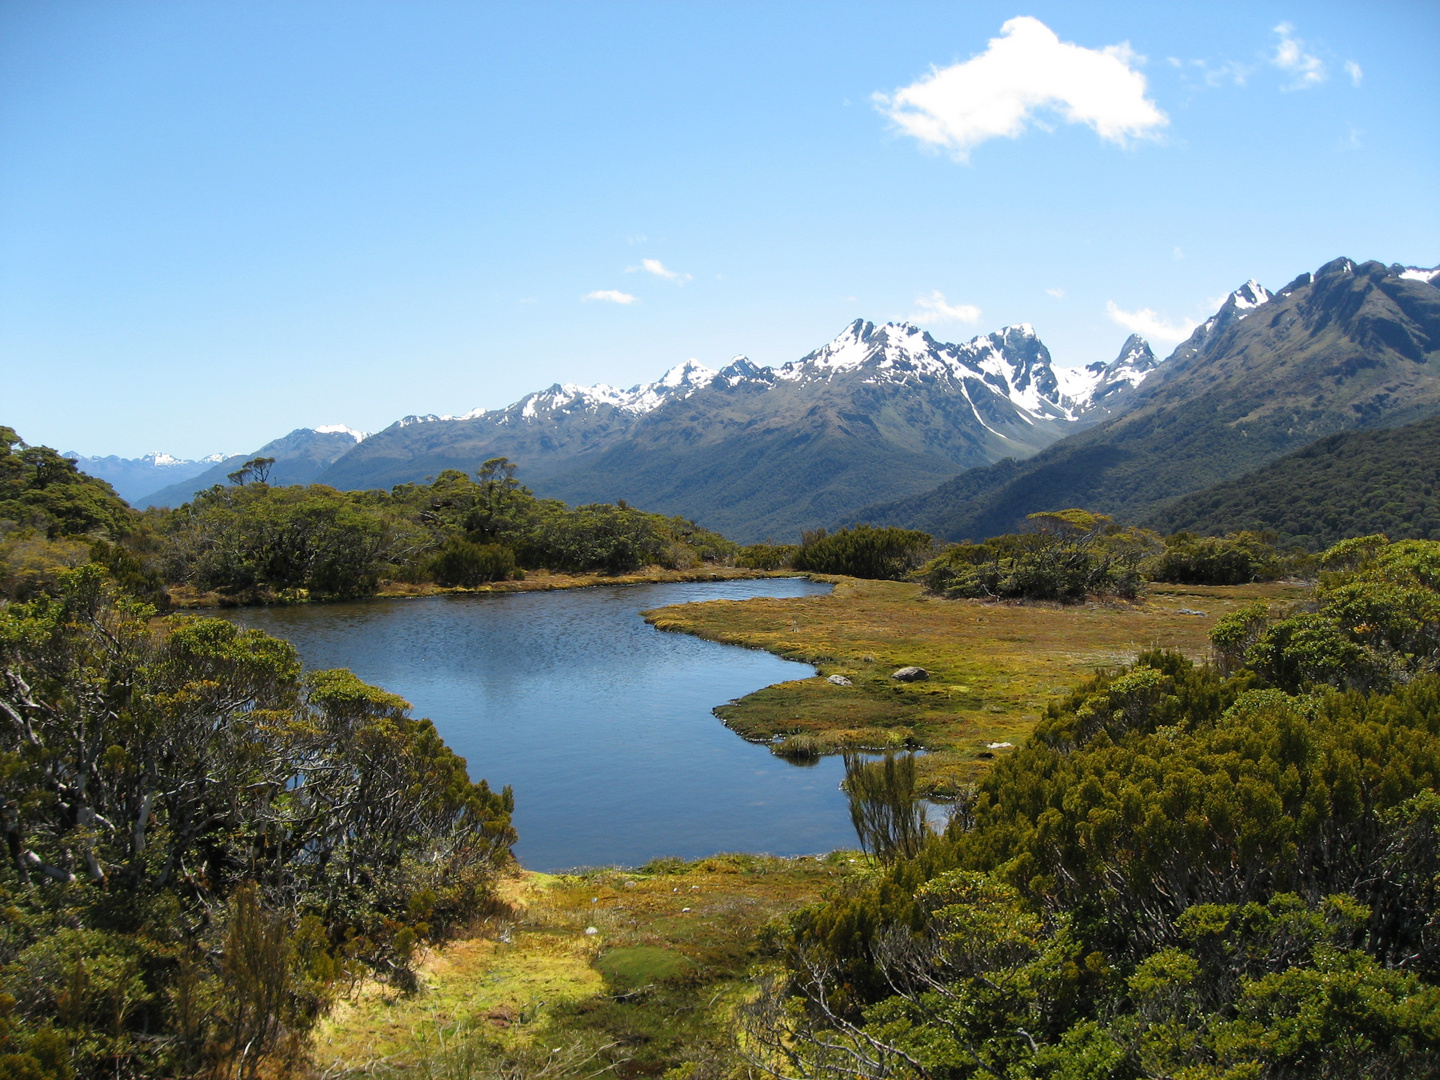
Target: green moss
<point x="640" y="965"/>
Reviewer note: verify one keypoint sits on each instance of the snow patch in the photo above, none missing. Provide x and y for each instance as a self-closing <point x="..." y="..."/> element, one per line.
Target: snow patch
<point x="341" y="429"/>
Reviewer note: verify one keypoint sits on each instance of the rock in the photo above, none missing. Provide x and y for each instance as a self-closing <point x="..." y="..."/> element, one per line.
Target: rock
<point x="591" y="930"/>
<point x="910" y="674"/>
<point x="999" y="745"/>
<point x="839" y="680"/>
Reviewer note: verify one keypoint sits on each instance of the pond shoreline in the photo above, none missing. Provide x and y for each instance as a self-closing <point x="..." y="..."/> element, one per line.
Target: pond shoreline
<point x="184" y="599"/>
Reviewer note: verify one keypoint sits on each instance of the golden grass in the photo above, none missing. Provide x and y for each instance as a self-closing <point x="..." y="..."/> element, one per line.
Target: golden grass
<point x="993" y="666"/>
<point x="672" y="947"/>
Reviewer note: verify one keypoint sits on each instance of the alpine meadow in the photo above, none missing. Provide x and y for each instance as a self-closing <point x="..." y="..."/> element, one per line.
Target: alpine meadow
<point x="804" y="542"/>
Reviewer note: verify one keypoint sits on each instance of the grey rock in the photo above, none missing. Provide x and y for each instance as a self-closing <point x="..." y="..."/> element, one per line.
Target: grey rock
<point x="910" y="674"/>
<point x="839" y="680"/>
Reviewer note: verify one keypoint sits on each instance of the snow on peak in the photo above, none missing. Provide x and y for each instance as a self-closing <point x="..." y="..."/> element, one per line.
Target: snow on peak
<point x="162" y="460"/>
<point x="1419" y="273"/>
<point x="341" y="429"/>
<point x="1250" y="296"/>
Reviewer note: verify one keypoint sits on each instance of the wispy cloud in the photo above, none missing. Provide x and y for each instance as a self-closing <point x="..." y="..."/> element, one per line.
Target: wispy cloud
<point x="1304" y="68"/>
<point x="1058" y="294"/>
<point x="1353" y="70"/>
<point x="1024" y="71"/>
<point x="1149" y="325"/>
<point x="659" y="269"/>
<point x="936" y="309"/>
<point x="612" y="296"/>
<point x="1203" y="73"/>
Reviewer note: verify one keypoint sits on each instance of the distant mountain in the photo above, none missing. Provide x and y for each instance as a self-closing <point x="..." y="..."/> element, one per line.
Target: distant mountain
<point x="1351" y="346"/>
<point x="134" y="478"/>
<point x="755" y="451"/>
<point x="1353" y="484"/>
<point x="299" y="459"/>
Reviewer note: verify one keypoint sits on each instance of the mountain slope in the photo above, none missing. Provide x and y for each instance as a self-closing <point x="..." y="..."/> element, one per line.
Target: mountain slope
<point x="1353" y="484"/>
<point x="134" y="478"/>
<point x="299" y="458"/>
<point x="757" y="452"/>
<point x="1348" y="347"/>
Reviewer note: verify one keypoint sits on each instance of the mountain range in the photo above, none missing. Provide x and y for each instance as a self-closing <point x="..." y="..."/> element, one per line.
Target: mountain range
<point x="886" y="424"/>
<point x="752" y="451"/>
<point x="1351" y="346"/>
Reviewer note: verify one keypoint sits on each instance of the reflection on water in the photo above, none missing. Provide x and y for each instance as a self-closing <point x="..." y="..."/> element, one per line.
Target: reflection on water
<point x="601" y="723"/>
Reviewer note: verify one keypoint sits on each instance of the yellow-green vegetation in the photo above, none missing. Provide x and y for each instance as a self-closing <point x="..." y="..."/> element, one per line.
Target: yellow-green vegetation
<point x="651" y="989"/>
<point x="993" y="667"/>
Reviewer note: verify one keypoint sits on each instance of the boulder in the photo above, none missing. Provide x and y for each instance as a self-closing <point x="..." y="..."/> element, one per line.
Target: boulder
<point x="910" y="674"/>
<point x="839" y="680"/>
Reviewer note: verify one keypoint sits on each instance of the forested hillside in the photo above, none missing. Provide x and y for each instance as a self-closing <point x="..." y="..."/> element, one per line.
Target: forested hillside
<point x="1351" y="347"/>
<point x="1354" y="484"/>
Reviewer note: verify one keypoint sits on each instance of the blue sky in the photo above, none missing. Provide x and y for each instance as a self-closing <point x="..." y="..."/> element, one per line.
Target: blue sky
<point x="222" y="221"/>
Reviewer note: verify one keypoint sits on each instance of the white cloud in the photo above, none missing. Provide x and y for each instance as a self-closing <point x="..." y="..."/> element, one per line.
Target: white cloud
<point x="1058" y="294"/>
<point x="1149" y="325"/>
<point x="1353" y="70"/>
<point x="1025" y="70"/>
<point x="1306" y="69"/>
<point x="934" y="309"/>
<point x="656" y="267"/>
<point x="613" y="296"/>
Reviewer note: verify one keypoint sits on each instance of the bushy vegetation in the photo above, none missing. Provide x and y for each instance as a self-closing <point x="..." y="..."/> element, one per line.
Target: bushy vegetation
<point x="1236" y="559"/>
<point x="1352" y="484"/>
<point x="203" y="844"/>
<point x="863" y="552"/>
<point x="251" y="539"/>
<point x="1069" y="555"/>
<point x="1185" y="871"/>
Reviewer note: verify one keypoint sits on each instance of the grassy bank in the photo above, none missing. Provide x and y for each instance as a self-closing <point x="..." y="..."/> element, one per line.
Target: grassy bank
<point x="534" y="581"/>
<point x="993" y="667"/>
<point x="535" y="994"/>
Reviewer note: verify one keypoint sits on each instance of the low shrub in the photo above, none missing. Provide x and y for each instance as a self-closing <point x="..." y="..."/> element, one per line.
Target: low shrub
<point x="864" y="552"/>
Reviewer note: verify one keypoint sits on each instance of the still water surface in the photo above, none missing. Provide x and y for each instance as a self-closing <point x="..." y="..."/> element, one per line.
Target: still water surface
<point x="600" y="722"/>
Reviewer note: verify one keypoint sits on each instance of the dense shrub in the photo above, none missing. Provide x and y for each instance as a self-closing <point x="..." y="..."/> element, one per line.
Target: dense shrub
<point x="767" y="556"/>
<point x="462" y="562"/>
<point x="203" y="839"/>
<point x="864" y="552"/>
<point x="1373" y="622"/>
<point x="1236" y="559"/>
<point x="1068" y="556"/>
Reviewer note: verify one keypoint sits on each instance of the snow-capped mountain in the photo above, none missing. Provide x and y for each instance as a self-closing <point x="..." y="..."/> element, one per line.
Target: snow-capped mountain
<point x="1351" y="345"/>
<point x="1238" y="305"/>
<point x="1107" y="386"/>
<point x="299" y="458"/>
<point x="890" y="404"/>
<point x="133" y="478"/>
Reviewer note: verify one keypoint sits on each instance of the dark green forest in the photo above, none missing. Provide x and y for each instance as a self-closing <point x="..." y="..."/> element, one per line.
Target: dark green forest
<point x="1353" y="484"/>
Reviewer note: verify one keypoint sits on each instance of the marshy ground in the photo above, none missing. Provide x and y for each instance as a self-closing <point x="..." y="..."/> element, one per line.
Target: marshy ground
<point x="533" y="993"/>
<point x="993" y="666"/>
